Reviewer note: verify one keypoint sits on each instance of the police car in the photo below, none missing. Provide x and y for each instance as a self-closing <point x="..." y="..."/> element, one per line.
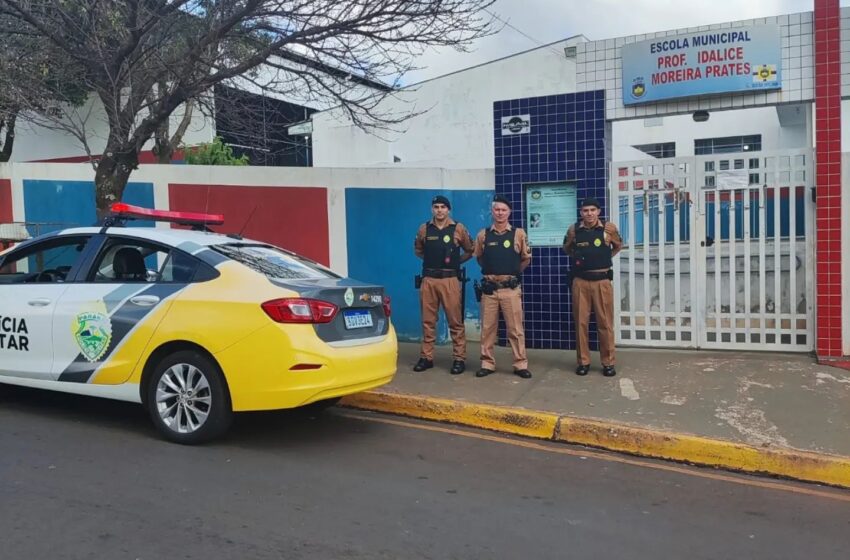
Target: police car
<point x="192" y="324"/>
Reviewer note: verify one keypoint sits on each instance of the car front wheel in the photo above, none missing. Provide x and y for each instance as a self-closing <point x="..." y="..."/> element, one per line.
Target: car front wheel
<point x="187" y="398"/>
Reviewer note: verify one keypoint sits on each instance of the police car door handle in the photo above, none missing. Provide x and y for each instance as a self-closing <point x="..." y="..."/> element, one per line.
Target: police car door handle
<point x="144" y="301"/>
<point x="39" y="302"/>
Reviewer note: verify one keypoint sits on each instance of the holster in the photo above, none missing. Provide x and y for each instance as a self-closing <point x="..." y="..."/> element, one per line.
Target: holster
<point x="488" y="286"/>
<point x="478" y="290"/>
<point x="417" y="281"/>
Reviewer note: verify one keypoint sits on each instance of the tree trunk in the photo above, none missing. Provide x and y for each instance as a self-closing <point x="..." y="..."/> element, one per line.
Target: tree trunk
<point x="162" y="148"/>
<point x="111" y="177"/>
<point x="9" y="143"/>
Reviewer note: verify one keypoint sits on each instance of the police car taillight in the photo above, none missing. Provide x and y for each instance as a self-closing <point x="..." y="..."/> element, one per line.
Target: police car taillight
<point x="128" y="211"/>
<point x="387" y="307"/>
<point x="300" y="310"/>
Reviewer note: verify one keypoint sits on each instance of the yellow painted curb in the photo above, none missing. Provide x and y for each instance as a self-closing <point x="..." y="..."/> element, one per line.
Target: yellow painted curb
<point x="785" y="462"/>
<point x="497" y="418"/>
<point x="789" y="463"/>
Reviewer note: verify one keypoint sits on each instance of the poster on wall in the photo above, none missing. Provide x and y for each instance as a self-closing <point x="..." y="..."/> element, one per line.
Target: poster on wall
<point x="549" y="210"/>
<point x="709" y="62"/>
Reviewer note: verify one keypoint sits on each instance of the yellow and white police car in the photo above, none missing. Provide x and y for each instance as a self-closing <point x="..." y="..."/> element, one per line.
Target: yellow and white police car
<point x="192" y="324"/>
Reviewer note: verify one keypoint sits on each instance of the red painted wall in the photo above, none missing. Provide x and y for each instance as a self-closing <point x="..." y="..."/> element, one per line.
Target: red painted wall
<point x="5" y="201"/>
<point x="828" y="180"/>
<point x="5" y="204"/>
<point x="144" y="157"/>
<point x="295" y="218"/>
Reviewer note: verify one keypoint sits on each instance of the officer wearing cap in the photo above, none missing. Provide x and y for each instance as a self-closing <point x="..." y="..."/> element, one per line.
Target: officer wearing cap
<point x="592" y="243"/>
<point x="503" y="253"/>
<point x="438" y="243"/>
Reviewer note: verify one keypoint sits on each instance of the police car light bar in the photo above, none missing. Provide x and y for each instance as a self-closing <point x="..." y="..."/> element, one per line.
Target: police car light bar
<point x="124" y="210"/>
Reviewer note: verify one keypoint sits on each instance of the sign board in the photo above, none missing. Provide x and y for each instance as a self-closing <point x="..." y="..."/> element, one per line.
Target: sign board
<point x="549" y="211"/>
<point x="516" y="124"/>
<point x="301" y="129"/>
<point x="710" y="62"/>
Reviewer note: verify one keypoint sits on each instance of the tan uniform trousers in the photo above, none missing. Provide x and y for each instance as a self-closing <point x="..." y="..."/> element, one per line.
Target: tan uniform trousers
<point x="598" y="296"/>
<point x="446" y="292"/>
<point x="509" y="301"/>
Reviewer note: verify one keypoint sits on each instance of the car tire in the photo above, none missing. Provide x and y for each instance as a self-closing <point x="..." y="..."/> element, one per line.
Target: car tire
<point x="187" y="398"/>
<point x="321" y="406"/>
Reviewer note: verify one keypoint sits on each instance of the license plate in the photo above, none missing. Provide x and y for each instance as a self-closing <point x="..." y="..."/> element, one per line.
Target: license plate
<point x="360" y="319"/>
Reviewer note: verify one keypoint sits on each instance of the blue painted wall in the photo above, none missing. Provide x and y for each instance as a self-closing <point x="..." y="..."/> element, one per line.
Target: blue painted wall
<point x="63" y="204"/>
<point x="381" y="227"/>
<point x="565" y="144"/>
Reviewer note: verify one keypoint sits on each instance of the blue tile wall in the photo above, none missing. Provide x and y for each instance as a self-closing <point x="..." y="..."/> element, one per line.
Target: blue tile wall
<point x="567" y="142"/>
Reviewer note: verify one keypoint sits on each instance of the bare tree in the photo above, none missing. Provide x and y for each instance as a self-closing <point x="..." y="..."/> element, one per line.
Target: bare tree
<point x="7" y="122"/>
<point x="35" y="80"/>
<point x="167" y="143"/>
<point x="144" y="58"/>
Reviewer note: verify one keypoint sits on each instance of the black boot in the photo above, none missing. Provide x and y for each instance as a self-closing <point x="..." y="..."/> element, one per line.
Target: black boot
<point x="609" y="371"/>
<point x="484" y="372"/>
<point x="423" y="364"/>
<point x="458" y="367"/>
<point x="524" y="373"/>
<point x="583" y="369"/>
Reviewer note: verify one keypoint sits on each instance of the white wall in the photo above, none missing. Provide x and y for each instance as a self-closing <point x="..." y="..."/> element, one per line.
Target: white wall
<point x="34" y="142"/>
<point x="456" y="131"/>
<point x="682" y="130"/>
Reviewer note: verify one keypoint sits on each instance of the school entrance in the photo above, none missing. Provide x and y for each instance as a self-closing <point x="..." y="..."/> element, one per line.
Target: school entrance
<point x="718" y="251"/>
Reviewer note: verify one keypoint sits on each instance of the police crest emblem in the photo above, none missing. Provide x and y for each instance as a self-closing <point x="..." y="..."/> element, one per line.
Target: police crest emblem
<point x="93" y="333"/>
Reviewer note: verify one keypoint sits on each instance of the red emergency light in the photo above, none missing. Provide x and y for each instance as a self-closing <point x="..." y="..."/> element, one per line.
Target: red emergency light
<point x="124" y="210"/>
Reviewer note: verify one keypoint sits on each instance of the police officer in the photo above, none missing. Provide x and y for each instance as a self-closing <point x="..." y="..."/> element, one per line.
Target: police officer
<point x="503" y="254"/>
<point x="438" y="244"/>
<point x="593" y="242"/>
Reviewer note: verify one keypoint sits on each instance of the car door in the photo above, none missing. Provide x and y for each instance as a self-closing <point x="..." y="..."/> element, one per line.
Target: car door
<point x="32" y="280"/>
<point x="103" y="326"/>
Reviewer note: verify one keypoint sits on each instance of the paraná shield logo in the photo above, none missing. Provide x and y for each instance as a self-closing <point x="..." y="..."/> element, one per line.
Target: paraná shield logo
<point x="93" y="332"/>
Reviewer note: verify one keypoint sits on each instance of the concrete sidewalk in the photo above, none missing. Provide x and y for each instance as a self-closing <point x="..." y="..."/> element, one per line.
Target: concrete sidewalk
<point x="781" y="414"/>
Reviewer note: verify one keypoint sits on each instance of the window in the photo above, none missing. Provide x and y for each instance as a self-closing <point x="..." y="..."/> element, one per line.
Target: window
<point x="728" y="145"/>
<point x="663" y="150"/>
<point x="45" y="262"/>
<point x="274" y="262"/>
<point x="124" y="260"/>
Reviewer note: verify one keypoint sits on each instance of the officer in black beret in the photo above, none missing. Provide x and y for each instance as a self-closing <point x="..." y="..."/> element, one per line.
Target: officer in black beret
<point x="438" y="243"/>
<point x="592" y="244"/>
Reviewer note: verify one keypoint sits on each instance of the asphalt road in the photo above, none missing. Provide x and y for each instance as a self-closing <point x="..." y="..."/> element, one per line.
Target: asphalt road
<point x="84" y="478"/>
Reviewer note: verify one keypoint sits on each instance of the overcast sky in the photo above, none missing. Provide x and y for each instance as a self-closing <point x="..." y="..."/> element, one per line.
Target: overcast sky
<point x="545" y="21"/>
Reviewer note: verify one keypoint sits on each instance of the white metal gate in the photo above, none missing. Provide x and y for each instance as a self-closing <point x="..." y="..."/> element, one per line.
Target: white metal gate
<point x="718" y="251"/>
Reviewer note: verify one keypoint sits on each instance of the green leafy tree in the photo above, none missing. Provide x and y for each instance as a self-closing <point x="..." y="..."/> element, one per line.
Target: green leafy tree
<point x="214" y="153"/>
<point x="145" y="58"/>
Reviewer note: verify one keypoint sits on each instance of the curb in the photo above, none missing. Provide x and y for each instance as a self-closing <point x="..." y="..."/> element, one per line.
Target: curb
<point x="833" y="470"/>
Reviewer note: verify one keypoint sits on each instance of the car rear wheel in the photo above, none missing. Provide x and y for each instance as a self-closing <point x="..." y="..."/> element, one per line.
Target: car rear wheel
<point x="187" y="398"/>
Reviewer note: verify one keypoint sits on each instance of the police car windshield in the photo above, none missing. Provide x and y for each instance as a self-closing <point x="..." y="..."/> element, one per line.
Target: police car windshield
<point x="274" y="262"/>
